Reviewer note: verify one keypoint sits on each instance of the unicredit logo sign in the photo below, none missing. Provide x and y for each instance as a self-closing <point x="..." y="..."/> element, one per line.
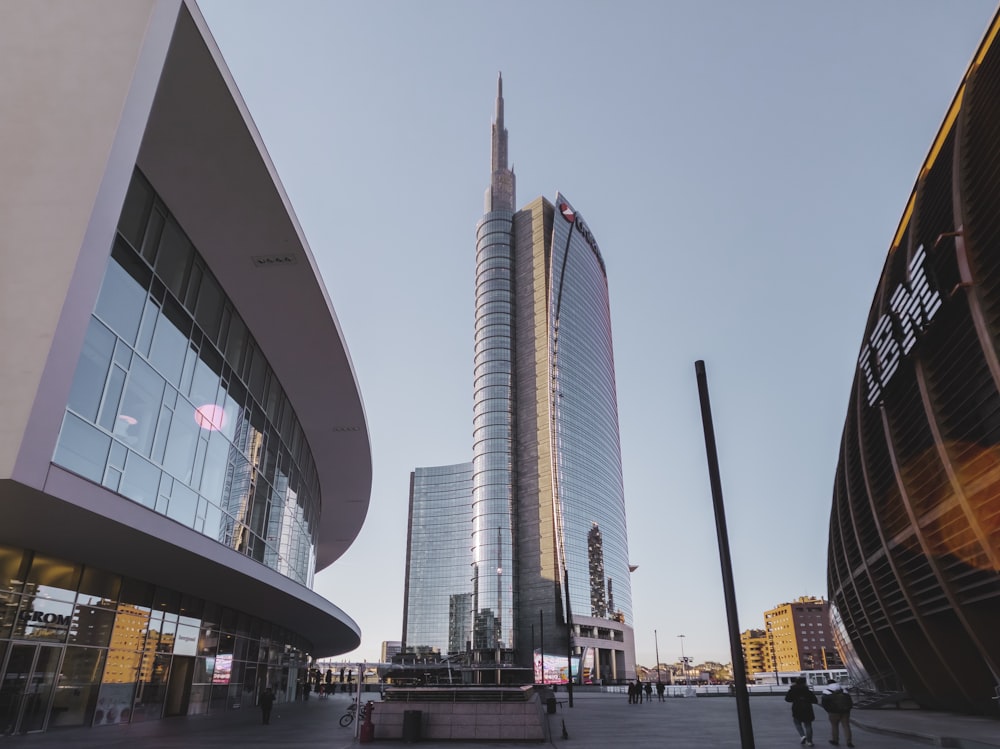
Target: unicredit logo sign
<point x="578" y="224"/>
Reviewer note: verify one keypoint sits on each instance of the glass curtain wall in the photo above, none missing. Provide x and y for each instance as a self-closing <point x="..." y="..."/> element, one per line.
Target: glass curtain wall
<point x="174" y="406"/>
<point x="590" y="490"/>
<point x="493" y="438"/>
<point x="80" y="646"/>
<point x="438" y="607"/>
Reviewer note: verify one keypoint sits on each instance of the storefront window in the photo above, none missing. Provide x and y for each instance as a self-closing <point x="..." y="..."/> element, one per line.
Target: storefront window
<point x="99" y="588"/>
<point x="114" y="704"/>
<point x="77" y="690"/>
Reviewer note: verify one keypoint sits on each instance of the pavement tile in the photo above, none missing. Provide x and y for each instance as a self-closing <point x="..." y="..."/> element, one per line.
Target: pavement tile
<point x="596" y="721"/>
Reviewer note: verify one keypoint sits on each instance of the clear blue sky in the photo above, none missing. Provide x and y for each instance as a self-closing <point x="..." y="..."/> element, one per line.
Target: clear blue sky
<point x="743" y="166"/>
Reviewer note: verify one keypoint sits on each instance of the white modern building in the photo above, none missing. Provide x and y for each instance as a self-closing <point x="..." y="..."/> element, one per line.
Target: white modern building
<point x="184" y="443"/>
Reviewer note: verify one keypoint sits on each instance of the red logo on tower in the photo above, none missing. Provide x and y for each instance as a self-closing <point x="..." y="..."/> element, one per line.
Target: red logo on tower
<point x="567" y="212"/>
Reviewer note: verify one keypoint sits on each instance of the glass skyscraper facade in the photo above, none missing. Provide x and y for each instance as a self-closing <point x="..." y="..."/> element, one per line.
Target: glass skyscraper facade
<point x="437" y="596"/>
<point x="549" y="551"/>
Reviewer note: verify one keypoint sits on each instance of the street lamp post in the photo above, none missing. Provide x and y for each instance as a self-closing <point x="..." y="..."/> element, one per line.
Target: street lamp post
<point x="684" y="661"/>
<point x="774" y="652"/>
<point x="657" y="643"/>
<point x="498" y="624"/>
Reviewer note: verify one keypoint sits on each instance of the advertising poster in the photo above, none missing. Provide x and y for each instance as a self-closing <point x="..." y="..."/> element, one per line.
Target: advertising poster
<point x="555" y="669"/>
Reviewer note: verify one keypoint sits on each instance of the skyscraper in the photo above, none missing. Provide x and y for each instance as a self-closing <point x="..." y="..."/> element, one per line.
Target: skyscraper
<point x="548" y="534"/>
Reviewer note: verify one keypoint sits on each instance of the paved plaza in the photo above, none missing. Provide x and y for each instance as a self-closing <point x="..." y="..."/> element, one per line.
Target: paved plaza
<point x="596" y="721"/>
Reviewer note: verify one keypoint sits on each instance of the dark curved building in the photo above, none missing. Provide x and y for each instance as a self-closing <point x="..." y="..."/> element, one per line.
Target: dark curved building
<point x="914" y="551"/>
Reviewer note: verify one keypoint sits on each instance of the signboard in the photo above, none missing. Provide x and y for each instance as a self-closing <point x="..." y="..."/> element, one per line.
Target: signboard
<point x="223" y="668"/>
<point x="555" y="669"/>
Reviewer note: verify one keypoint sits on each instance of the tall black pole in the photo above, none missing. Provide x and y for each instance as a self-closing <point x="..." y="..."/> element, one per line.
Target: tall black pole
<point x="541" y="641"/>
<point x="569" y="640"/>
<point x="541" y="645"/>
<point x="739" y="667"/>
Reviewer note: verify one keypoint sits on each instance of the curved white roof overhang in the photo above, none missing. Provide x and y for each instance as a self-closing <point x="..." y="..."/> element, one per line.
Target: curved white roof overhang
<point x="206" y="159"/>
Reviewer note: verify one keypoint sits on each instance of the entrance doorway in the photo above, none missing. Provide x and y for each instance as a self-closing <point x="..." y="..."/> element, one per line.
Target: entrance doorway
<point x="27" y="681"/>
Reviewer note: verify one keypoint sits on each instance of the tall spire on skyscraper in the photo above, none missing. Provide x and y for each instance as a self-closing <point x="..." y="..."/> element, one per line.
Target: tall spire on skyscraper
<point x="500" y="193"/>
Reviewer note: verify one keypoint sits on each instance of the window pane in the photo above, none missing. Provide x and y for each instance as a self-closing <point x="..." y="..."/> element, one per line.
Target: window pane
<point x="53" y="577"/>
<point x="154" y="230"/>
<point x="92" y="371"/>
<point x="76" y="693"/>
<point x="209" y="310"/>
<point x="134" y="211"/>
<point x="99" y="587"/>
<point x="140" y="481"/>
<point x="136" y="422"/>
<point x="236" y="343"/>
<point x="109" y="412"/>
<point x="205" y="385"/>
<point x="82" y="448"/>
<point x="183" y="503"/>
<point x="92" y="626"/>
<point x="170" y="340"/>
<point x="216" y="463"/>
<point x="179" y="457"/>
<point x="123" y="293"/>
<point x="173" y="258"/>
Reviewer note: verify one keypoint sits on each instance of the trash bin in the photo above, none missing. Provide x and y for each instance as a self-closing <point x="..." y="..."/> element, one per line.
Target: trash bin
<point x="550" y="705"/>
<point x="411" y="725"/>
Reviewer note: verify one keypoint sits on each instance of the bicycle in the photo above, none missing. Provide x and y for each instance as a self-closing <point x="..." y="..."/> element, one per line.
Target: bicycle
<point x="347" y="718"/>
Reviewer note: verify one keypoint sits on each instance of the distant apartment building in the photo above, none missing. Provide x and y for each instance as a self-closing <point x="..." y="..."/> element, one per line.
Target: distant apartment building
<point x="799" y="636"/>
<point x="389" y="649"/>
<point x="756" y="653"/>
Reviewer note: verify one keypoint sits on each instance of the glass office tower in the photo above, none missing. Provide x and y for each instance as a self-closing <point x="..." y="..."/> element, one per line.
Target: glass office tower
<point x="546" y="455"/>
<point x="548" y="568"/>
<point x="493" y="409"/>
<point x="437" y="597"/>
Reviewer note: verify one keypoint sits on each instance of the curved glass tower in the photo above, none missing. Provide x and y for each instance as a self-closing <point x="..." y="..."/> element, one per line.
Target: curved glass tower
<point x="550" y="554"/>
<point x="493" y="409"/>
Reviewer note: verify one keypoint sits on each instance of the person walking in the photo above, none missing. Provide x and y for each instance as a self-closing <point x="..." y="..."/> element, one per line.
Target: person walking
<point x="802" y="699"/>
<point x="659" y="690"/>
<point x="838" y="704"/>
<point x="266" y="703"/>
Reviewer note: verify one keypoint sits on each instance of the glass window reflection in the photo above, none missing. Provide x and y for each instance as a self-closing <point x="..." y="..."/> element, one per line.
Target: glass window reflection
<point x="177" y="400"/>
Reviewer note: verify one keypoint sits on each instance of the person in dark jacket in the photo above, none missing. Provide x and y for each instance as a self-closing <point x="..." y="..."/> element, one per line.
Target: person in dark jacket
<point x="838" y="704"/>
<point x="266" y="703"/>
<point x="802" y="699"/>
